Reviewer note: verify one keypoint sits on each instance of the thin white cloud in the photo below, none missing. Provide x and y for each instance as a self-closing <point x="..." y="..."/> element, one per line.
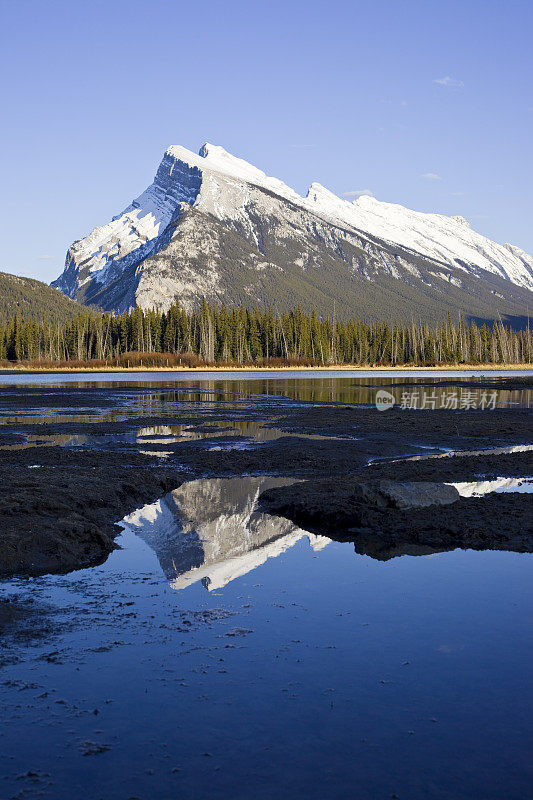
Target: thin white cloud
<point x="431" y="176"/>
<point x="359" y="193"/>
<point x="448" y="81"/>
<point x="457" y="194"/>
<point x="45" y="258"/>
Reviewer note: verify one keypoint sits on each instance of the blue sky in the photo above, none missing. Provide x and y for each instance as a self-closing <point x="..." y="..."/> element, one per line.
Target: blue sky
<point x="428" y="104"/>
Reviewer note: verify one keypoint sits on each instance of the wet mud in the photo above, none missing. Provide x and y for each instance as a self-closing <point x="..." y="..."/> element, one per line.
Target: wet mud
<point x="75" y="461"/>
<point x="349" y="511"/>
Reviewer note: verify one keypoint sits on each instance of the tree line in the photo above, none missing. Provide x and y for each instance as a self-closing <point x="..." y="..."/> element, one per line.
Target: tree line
<point x="215" y="334"/>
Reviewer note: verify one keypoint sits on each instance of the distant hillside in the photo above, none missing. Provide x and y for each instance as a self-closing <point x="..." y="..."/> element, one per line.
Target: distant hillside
<point x="33" y="299"/>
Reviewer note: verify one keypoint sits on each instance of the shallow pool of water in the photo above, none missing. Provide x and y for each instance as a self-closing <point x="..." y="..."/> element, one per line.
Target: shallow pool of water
<point x="225" y="653"/>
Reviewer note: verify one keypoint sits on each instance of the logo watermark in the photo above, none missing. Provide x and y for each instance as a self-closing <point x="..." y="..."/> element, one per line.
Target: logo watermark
<point x="384" y="400"/>
<point x="464" y="400"/>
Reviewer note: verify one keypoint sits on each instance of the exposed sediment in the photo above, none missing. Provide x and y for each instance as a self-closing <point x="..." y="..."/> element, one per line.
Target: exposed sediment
<point x="380" y="527"/>
<point x="62" y="519"/>
<point x="59" y="503"/>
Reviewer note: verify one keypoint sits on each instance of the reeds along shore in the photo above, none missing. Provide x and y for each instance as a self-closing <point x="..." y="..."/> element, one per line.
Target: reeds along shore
<point x="138" y="362"/>
<point x="253" y="338"/>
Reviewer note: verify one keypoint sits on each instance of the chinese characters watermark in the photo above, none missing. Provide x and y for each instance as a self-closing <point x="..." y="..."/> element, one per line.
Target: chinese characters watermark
<point x="455" y="399"/>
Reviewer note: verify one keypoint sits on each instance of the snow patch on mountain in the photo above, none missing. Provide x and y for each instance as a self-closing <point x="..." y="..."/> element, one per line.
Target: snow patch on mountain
<point x="448" y="239"/>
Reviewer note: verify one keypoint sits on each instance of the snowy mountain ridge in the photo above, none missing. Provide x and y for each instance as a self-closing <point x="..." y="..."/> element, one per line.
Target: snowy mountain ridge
<point x="240" y="196"/>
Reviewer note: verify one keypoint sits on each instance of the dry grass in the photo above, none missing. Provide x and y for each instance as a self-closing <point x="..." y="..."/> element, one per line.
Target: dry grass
<point x="188" y="361"/>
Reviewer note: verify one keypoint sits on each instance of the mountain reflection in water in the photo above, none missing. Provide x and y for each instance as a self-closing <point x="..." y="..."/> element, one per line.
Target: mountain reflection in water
<point x="209" y="530"/>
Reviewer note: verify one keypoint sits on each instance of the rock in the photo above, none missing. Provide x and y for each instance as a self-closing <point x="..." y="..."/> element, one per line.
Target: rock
<point x="414" y="494"/>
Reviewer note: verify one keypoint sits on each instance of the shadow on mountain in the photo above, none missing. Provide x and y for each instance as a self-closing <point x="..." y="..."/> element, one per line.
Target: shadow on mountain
<point x="210" y="530"/>
<point x="518" y="322"/>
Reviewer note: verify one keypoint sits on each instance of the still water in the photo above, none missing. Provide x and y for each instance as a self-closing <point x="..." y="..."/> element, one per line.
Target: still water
<point x="226" y="653"/>
<point x="196" y="376"/>
<point x="410" y="387"/>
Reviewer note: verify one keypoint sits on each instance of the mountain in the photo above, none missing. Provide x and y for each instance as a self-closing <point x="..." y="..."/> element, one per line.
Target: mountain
<point x="213" y="225"/>
<point x="32" y="299"/>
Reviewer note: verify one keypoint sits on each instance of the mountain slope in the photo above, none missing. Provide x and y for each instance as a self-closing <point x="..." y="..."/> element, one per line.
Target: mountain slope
<point x="32" y="299"/>
<point x="212" y="225"/>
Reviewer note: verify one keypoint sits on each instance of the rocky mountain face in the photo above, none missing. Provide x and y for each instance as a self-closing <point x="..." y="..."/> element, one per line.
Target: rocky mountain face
<point x="212" y="225"/>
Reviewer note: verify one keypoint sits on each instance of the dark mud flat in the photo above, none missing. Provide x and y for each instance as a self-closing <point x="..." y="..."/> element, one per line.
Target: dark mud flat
<point x="63" y="518"/>
<point x="293" y="605"/>
<point x="75" y="460"/>
<point x="368" y="514"/>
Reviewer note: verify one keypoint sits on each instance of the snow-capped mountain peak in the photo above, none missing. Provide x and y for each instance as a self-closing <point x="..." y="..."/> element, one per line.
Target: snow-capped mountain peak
<point x="182" y="222"/>
<point x="214" y="158"/>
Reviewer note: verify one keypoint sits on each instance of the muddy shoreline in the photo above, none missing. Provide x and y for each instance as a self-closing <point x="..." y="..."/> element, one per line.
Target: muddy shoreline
<point x="73" y="461"/>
